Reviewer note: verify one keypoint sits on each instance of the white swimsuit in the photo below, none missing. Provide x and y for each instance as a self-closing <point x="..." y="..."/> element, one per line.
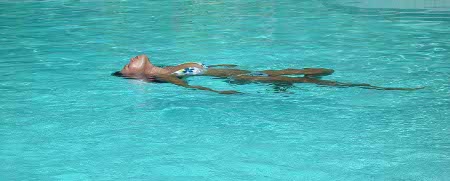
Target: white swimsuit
<point x="191" y="70"/>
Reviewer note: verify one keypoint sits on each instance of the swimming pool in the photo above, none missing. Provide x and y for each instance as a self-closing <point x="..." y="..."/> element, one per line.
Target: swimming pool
<point x="63" y="117"/>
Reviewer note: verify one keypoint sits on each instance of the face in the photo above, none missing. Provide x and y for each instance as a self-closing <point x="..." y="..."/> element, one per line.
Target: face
<point x="136" y="65"/>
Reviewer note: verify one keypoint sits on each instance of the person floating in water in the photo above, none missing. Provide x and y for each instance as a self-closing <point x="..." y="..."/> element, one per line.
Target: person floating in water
<point x="140" y="67"/>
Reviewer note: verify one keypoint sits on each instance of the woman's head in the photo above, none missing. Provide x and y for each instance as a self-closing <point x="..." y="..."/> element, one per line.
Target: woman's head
<point x="136" y="66"/>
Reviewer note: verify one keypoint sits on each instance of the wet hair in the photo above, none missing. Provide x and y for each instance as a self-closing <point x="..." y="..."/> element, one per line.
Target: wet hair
<point x="149" y="79"/>
<point x="118" y="74"/>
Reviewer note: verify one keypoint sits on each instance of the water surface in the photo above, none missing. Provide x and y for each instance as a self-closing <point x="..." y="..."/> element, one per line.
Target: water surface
<point x="63" y="117"/>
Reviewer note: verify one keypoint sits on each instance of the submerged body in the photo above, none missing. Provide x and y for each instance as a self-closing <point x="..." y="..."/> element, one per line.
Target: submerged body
<point x="140" y="67"/>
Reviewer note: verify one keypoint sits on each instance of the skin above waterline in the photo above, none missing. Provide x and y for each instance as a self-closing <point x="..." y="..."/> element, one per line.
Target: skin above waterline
<point x="140" y="67"/>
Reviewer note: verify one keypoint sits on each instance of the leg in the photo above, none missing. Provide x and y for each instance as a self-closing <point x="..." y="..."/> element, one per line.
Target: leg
<point x="224" y="73"/>
<point x="308" y="72"/>
<point x="282" y="79"/>
<point x="222" y="65"/>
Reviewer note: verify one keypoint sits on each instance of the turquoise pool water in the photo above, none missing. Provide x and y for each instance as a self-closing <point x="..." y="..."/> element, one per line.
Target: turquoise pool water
<point x="63" y="117"/>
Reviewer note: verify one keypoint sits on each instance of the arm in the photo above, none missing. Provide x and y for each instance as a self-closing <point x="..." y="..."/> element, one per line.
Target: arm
<point x="175" y="80"/>
<point x="364" y="86"/>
